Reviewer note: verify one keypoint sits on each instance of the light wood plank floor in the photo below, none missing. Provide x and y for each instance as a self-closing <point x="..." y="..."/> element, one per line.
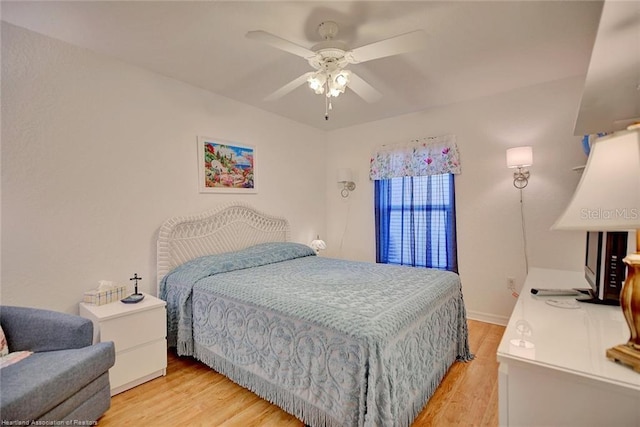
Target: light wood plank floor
<point x="194" y="395"/>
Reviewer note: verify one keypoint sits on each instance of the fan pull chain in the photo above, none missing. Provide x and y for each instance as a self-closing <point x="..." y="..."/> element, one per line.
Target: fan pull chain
<point x="327" y="101"/>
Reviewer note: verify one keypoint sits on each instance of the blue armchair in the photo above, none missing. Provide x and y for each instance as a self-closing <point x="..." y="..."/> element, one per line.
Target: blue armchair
<point x="65" y="379"/>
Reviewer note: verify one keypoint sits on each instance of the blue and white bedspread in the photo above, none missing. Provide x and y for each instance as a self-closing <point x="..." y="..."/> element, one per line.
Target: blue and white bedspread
<point x="333" y="342"/>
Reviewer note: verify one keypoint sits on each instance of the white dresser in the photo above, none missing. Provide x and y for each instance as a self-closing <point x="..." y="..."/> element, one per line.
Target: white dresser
<point x="553" y="368"/>
<point x="139" y="333"/>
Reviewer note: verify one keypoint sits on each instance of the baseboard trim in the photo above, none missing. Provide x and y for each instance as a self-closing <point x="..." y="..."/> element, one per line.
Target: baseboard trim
<point x="488" y="318"/>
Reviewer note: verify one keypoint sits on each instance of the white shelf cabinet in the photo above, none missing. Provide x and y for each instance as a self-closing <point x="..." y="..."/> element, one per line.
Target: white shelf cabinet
<point x="139" y="333"/>
<point x="561" y="375"/>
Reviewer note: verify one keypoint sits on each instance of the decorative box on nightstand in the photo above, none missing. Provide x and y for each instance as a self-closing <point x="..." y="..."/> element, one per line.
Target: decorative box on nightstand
<point x="139" y="332"/>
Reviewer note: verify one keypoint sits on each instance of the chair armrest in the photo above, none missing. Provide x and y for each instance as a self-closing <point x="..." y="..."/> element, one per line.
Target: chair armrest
<point x="37" y="330"/>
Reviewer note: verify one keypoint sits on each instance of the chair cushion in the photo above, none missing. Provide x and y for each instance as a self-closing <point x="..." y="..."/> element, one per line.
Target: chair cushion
<point x="37" y="384"/>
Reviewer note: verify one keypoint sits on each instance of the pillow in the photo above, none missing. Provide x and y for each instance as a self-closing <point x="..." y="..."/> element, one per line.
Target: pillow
<point x="7" y="358"/>
<point x="4" y="347"/>
<point x="14" y="357"/>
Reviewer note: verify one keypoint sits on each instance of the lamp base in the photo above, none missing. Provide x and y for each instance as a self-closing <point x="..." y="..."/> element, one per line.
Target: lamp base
<point x="629" y="353"/>
<point x="626" y="355"/>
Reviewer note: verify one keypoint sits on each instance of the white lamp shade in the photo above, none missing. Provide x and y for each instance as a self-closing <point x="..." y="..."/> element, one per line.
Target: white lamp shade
<point x="608" y="195"/>
<point x="519" y="157"/>
<point x="344" y="175"/>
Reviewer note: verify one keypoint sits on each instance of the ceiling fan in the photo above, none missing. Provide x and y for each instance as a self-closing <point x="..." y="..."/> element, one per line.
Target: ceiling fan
<point x="331" y="57"/>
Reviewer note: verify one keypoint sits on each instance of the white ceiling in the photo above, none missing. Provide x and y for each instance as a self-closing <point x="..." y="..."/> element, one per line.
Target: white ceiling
<point x="474" y="48"/>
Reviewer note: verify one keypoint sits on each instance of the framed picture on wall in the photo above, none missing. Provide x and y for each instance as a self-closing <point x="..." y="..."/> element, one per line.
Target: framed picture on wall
<point x="226" y="167"/>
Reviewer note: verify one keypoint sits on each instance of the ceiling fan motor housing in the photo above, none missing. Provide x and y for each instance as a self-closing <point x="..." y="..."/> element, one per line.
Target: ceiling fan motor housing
<point x="328" y="30"/>
<point x="330" y="54"/>
<point x="329" y="59"/>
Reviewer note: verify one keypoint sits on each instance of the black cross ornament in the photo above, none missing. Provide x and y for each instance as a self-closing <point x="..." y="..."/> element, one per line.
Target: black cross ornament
<point x="136" y="278"/>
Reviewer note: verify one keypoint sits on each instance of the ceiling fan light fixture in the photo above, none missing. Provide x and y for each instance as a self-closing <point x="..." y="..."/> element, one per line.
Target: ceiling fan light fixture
<point x="335" y="92"/>
<point x="342" y="79"/>
<point x="337" y="83"/>
<point x="317" y="82"/>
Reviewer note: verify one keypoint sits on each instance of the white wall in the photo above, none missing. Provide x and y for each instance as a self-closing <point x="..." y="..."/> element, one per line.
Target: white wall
<point x="488" y="215"/>
<point x="96" y="154"/>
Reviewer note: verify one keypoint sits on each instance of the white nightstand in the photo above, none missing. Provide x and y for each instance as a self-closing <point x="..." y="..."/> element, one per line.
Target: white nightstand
<point x="139" y="332"/>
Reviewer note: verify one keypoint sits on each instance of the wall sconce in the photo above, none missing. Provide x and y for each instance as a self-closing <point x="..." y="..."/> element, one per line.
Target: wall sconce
<point x="346" y="179"/>
<point x="520" y="157"/>
<point x="318" y="245"/>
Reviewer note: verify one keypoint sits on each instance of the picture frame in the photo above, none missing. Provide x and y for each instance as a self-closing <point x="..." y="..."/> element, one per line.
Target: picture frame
<point x="226" y="166"/>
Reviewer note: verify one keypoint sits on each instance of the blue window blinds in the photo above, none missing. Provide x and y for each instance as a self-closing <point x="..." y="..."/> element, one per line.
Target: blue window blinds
<point x="415" y="221"/>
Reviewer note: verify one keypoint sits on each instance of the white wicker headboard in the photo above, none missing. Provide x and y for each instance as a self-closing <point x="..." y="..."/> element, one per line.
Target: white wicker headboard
<point x="225" y="229"/>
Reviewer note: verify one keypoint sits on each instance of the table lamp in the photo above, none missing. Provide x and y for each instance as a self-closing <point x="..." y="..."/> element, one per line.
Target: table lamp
<point x="608" y="199"/>
<point x="318" y="245"/>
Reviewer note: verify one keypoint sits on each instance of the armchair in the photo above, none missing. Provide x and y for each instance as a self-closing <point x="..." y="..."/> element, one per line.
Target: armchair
<point x="65" y="379"/>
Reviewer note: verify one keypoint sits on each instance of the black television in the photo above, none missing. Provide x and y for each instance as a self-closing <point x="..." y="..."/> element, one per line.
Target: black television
<point x="604" y="269"/>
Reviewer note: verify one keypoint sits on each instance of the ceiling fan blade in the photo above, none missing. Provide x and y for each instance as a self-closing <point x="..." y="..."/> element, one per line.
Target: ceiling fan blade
<point x="288" y="87"/>
<point x="363" y="89"/>
<point x="280" y="43"/>
<point x="404" y="43"/>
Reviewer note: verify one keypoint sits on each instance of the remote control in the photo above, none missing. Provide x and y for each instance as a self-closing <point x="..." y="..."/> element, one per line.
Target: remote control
<point x="555" y="292"/>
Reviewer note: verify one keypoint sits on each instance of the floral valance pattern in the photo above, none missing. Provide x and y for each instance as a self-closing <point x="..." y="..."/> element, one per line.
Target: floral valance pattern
<point x="426" y="156"/>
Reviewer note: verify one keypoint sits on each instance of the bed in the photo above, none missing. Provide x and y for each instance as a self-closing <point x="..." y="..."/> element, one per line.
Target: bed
<point x="333" y="342"/>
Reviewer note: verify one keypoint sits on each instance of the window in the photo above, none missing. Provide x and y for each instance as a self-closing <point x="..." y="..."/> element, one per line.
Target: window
<point x="415" y="221"/>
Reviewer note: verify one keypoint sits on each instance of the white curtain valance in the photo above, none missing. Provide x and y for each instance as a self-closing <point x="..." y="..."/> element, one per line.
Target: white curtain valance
<point x="432" y="155"/>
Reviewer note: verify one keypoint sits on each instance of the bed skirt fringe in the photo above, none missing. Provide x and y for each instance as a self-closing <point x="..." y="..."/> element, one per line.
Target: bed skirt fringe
<point x="417" y="407"/>
<point x="292" y="404"/>
<point x="464" y="353"/>
<point x="410" y="413"/>
<point x="184" y="348"/>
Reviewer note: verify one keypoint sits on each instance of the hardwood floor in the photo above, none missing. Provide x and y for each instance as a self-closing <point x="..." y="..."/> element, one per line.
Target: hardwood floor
<point x="194" y="395"/>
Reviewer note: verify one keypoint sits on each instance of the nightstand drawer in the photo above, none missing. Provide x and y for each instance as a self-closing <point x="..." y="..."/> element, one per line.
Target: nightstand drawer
<point x="135" y="329"/>
<point x="138" y="362"/>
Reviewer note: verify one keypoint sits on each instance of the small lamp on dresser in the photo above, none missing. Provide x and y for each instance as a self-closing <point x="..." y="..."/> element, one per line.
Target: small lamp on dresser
<point x="608" y="199"/>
